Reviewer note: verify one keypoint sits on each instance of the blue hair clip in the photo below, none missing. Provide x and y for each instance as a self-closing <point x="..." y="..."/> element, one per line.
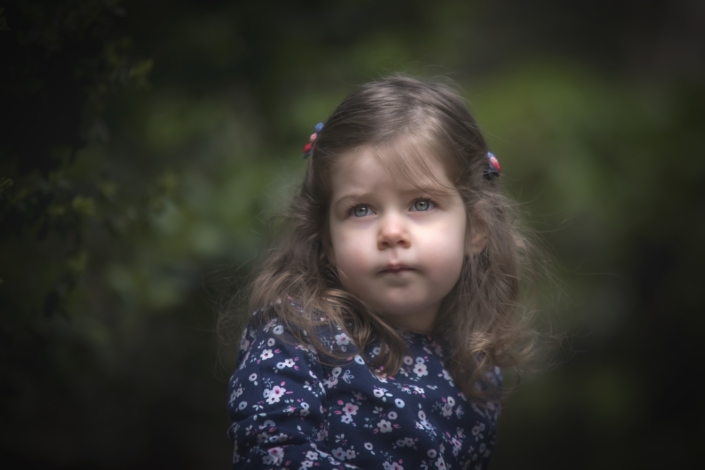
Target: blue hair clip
<point x="308" y="147"/>
<point x="493" y="168"/>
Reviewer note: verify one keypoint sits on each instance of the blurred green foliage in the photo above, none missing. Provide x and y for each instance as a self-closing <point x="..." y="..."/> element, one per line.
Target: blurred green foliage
<point x="148" y="142"/>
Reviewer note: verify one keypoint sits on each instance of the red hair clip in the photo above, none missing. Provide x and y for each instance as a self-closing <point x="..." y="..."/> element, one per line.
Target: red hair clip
<point x="493" y="168"/>
<point x="308" y="147"/>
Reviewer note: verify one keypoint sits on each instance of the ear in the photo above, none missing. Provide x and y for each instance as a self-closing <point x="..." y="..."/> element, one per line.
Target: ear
<point x="478" y="238"/>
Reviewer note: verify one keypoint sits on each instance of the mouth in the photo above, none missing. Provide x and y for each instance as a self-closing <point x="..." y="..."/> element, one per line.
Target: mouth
<point x="396" y="268"/>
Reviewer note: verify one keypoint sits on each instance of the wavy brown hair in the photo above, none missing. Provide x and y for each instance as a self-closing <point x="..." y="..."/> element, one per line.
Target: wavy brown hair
<point x="480" y="322"/>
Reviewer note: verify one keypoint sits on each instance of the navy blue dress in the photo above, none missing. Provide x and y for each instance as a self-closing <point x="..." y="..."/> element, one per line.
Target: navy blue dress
<point x="290" y="411"/>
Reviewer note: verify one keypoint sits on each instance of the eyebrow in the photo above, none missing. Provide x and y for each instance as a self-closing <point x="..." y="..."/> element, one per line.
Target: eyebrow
<point x="432" y="190"/>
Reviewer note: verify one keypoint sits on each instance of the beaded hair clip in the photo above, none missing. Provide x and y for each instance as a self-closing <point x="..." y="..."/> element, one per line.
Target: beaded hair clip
<point x="309" y="146"/>
<point x="493" y="168"/>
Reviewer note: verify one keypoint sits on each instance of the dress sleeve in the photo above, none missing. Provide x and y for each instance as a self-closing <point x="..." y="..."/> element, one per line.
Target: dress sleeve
<point x="277" y="404"/>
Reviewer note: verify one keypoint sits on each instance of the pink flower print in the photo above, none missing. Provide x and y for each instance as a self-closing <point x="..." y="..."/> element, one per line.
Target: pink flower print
<point x="384" y="426"/>
<point x="339" y="453"/>
<point x="420" y="369"/>
<point x="266" y="354"/>
<point x="342" y="339"/>
<point x="447" y="410"/>
<point x="396" y="466"/>
<point x="350" y="409"/>
<point x="274" y="394"/>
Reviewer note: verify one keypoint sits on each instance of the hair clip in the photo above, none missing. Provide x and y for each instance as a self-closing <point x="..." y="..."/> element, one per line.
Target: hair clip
<point x="493" y="168"/>
<point x="309" y="146"/>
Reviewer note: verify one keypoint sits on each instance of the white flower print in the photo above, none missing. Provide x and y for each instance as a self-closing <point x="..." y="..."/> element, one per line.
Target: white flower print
<point x="278" y="330"/>
<point x="451" y="401"/>
<point x="440" y="464"/>
<point x="276" y="454"/>
<point x="420" y="369"/>
<point x="286" y="363"/>
<point x="368" y="445"/>
<point x="408" y="360"/>
<point x="339" y="453"/>
<point x="266" y="354"/>
<point x="396" y="466"/>
<point x="311" y="455"/>
<point x="350" y="454"/>
<point x="304" y="409"/>
<point x="399" y="402"/>
<point x="431" y="453"/>
<point x="392" y="415"/>
<point x="274" y="394"/>
<point x="379" y="392"/>
<point x="270" y="342"/>
<point x="252" y="377"/>
<point x="342" y="339"/>
<point x="242" y="405"/>
<point x="347" y="419"/>
<point x="359" y="359"/>
<point x="384" y="426"/>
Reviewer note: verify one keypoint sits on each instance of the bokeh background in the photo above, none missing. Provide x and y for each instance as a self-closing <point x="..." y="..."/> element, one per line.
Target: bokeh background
<point x="145" y="144"/>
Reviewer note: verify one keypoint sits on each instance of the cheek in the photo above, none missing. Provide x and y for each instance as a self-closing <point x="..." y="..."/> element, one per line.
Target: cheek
<point x="350" y="256"/>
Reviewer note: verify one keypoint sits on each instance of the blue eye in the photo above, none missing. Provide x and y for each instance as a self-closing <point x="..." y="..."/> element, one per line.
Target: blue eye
<point x="360" y="211"/>
<point x="422" y="205"/>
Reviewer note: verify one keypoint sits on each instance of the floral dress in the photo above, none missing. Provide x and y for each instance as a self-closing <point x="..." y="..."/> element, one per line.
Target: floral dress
<point x="290" y="411"/>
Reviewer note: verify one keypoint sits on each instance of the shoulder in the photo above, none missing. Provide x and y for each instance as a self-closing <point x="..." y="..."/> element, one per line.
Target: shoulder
<point x="266" y="337"/>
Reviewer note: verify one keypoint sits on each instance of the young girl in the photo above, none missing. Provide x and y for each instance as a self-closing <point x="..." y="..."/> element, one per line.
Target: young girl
<point x="383" y="315"/>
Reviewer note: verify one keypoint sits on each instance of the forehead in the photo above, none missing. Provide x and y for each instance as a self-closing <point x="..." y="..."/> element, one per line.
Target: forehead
<point x="401" y="163"/>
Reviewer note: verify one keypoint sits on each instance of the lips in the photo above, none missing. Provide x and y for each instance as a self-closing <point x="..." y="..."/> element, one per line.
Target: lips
<point x="396" y="268"/>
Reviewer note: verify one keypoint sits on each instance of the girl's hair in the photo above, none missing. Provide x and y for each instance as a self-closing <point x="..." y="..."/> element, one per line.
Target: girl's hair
<point x="480" y="320"/>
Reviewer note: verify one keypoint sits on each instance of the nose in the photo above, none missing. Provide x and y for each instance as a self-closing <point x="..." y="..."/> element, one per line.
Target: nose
<point x="393" y="232"/>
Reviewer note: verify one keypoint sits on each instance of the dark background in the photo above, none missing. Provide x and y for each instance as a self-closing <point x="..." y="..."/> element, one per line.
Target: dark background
<point x="144" y="145"/>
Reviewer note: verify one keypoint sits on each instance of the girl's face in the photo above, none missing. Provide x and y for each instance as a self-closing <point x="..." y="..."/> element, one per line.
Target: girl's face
<point x="396" y="247"/>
